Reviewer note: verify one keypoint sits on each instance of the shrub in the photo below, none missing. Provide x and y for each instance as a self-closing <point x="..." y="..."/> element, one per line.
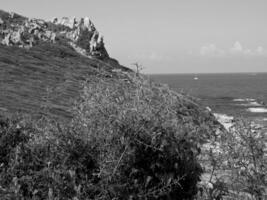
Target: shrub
<point x="130" y="139"/>
<point x="43" y="161"/>
<point x="145" y="137"/>
<point x="238" y="161"/>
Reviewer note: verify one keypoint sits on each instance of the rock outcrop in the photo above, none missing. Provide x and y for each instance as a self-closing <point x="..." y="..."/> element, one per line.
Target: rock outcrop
<point x="81" y="34"/>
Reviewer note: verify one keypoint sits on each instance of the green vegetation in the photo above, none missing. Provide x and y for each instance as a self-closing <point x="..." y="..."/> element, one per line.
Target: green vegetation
<point x="56" y="71"/>
<point x="236" y="164"/>
<point x="125" y="138"/>
<point x="130" y="139"/>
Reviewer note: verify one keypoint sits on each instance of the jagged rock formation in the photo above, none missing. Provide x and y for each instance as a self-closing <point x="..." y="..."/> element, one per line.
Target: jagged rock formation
<point x="81" y="34"/>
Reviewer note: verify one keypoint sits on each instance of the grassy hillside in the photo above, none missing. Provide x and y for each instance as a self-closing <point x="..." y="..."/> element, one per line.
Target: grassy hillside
<point x="45" y="79"/>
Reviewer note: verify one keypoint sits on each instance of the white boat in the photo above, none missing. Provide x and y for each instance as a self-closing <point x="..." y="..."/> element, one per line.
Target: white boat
<point x="195" y="78"/>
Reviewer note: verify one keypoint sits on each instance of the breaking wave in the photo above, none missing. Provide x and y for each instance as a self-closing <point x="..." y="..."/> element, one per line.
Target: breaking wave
<point x="257" y="110"/>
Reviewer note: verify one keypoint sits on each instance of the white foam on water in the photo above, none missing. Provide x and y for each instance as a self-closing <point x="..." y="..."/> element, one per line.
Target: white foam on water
<point x="242" y="100"/>
<point x="252" y="103"/>
<point x="223" y="116"/>
<point x="255" y="103"/>
<point x="238" y="100"/>
<point x="257" y="110"/>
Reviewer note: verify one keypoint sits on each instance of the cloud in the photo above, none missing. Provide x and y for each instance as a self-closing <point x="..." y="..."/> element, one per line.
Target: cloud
<point x="237" y="47"/>
<point x="211" y="50"/>
<point x="236" y="50"/>
<point x="260" y="50"/>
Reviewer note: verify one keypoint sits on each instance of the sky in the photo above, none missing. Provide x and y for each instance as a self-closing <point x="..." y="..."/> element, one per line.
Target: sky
<point x="170" y="36"/>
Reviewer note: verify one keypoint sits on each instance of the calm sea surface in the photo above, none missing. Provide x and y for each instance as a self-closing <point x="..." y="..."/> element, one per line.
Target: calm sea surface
<point x="238" y="95"/>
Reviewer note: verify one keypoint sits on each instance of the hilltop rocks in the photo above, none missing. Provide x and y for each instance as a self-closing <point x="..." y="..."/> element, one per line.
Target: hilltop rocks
<point x="79" y="33"/>
<point x="83" y="34"/>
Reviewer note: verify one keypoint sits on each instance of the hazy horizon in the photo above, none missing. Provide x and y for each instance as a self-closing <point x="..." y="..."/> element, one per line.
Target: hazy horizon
<point x="171" y="36"/>
<point x="204" y="73"/>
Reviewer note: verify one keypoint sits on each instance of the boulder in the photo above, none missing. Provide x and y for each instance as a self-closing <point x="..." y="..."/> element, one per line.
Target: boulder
<point x="72" y="22"/>
<point x="93" y="41"/>
<point x="16" y="37"/>
<point x="65" y="21"/>
<point x="88" y="24"/>
<point x="54" y="20"/>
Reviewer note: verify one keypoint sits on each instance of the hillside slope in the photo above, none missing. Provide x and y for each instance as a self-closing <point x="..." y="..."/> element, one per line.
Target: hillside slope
<point x="44" y="65"/>
<point x="45" y="77"/>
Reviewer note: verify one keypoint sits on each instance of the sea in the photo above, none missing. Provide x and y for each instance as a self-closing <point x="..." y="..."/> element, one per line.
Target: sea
<point x="237" y="95"/>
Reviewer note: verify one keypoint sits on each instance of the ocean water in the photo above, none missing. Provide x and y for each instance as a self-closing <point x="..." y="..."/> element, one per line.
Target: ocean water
<point x="237" y="95"/>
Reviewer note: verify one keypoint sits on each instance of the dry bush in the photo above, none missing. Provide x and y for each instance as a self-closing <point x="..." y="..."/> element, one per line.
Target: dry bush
<point x="237" y="164"/>
<point x="130" y="139"/>
<point x="40" y="160"/>
<point x="147" y="137"/>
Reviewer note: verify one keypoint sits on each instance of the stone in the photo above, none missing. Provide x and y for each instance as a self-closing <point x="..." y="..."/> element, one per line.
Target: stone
<point x="100" y="40"/>
<point x="53" y="37"/>
<point x="12" y="15"/>
<point x="6" y="41"/>
<point x="65" y="21"/>
<point x="40" y="22"/>
<point x="81" y="33"/>
<point x="16" y="37"/>
<point x="31" y="41"/>
<point x="76" y="34"/>
<point x="93" y="41"/>
<point x="87" y="22"/>
<point x="54" y="20"/>
<point x="73" y="22"/>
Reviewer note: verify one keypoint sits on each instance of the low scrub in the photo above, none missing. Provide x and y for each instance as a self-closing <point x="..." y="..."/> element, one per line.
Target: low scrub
<point x="236" y="164"/>
<point x="147" y="136"/>
<point x="43" y="161"/>
<point x="130" y="139"/>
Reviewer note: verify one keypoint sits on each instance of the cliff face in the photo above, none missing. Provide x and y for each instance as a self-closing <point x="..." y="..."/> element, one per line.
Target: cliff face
<point x="81" y="34"/>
